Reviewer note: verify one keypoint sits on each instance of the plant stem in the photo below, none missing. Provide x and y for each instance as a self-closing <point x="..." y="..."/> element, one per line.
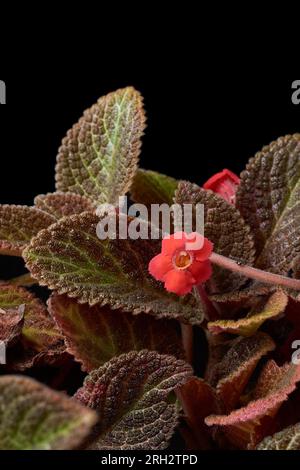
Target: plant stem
<point x="187" y="341"/>
<point x="23" y="280"/>
<point x="210" y="310"/>
<point x="254" y="273"/>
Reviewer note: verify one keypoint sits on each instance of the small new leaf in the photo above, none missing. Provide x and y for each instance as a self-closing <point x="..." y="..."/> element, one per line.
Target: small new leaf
<point x="130" y="394"/>
<point x="247" y="326"/>
<point x="98" y="157"/>
<point x="33" y="417"/>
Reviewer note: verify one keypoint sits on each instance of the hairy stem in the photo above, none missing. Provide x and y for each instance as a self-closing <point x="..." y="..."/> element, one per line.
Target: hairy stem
<point x="254" y="273"/>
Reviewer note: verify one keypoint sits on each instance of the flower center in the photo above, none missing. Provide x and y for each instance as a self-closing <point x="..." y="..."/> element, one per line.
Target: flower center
<point x="182" y="259"/>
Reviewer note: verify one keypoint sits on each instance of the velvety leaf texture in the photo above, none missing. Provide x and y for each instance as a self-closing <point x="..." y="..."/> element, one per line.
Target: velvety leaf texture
<point x="224" y="227"/>
<point x="149" y="187"/>
<point x="98" y="157"/>
<point x="247" y="326"/>
<point x="11" y="324"/>
<point x="94" y="335"/>
<point x="70" y="258"/>
<point x="269" y="200"/>
<point x="39" y="328"/>
<point x="130" y="394"/>
<point x="274" y="386"/>
<point x="63" y="204"/>
<point x="231" y="374"/>
<point x="33" y="417"/>
<point x="18" y="224"/>
<point x="287" y="439"/>
<point x="251" y="293"/>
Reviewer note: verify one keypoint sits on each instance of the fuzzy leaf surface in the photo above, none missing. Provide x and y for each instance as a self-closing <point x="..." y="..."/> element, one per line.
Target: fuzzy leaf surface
<point x="34" y="417"/>
<point x="98" y="158"/>
<point x="247" y="326"/>
<point x="70" y="258"/>
<point x="63" y="204"/>
<point x="287" y="439"/>
<point x="11" y="324"/>
<point x="274" y="386"/>
<point x="94" y="335"/>
<point x="231" y="374"/>
<point x="268" y="198"/>
<point x="130" y="394"/>
<point x="18" y="224"/>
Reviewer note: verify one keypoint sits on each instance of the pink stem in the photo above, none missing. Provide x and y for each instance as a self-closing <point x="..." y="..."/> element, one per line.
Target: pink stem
<point x="210" y="309"/>
<point x="254" y="273"/>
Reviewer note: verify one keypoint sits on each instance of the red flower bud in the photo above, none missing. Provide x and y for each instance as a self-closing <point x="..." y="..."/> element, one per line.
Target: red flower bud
<point x="225" y="184"/>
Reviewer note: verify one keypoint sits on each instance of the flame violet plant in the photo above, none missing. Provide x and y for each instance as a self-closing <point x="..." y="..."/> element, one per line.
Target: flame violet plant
<point x="144" y="343"/>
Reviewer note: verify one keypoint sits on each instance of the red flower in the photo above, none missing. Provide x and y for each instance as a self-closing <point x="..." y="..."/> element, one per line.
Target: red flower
<point x="183" y="262"/>
<point x="225" y="184"/>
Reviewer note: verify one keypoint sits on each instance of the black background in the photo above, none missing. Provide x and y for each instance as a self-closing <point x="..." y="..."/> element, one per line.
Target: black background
<point x="196" y="125"/>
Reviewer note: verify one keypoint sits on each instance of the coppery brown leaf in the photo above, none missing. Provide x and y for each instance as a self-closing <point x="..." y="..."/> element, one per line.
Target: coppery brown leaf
<point x="18" y="224"/>
<point x="130" y="394"/>
<point x="94" y="335"/>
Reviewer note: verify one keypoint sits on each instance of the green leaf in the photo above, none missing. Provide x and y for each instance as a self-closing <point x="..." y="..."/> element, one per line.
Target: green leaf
<point x="70" y="258"/>
<point x="247" y="326"/>
<point x="33" y="417"/>
<point x="287" y="439"/>
<point x="94" y="335"/>
<point x="149" y="187"/>
<point x="269" y="200"/>
<point x="99" y="156"/>
<point x="130" y="394"/>
<point x="224" y="226"/>
<point x="63" y="204"/>
<point x="18" y="224"/>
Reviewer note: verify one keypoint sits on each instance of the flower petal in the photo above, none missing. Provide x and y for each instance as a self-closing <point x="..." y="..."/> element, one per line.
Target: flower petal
<point x="159" y="266"/>
<point x="205" y="252"/>
<point x="174" y="242"/>
<point x="225" y="184"/>
<point x="216" y="179"/>
<point x="201" y="271"/>
<point x="179" y="282"/>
